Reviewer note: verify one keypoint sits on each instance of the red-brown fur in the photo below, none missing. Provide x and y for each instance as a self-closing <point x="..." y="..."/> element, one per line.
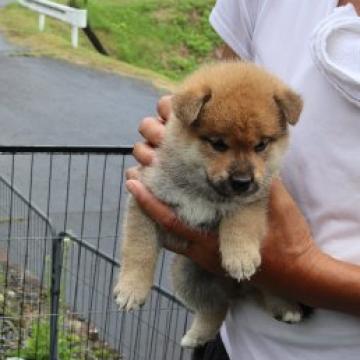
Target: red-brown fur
<point x="241" y="104"/>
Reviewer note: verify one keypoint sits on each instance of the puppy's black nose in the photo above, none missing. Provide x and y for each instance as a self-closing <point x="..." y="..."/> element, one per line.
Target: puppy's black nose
<point x="241" y="183"/>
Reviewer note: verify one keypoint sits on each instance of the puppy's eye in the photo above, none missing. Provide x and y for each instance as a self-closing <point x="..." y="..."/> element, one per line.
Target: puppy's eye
<point x="262" y="145"/>
<point x="219" y="145"/>
<point x="216" y="143"/>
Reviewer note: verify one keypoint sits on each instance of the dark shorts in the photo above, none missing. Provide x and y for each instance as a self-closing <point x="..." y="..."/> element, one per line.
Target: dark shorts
<point x="213" y="350"/>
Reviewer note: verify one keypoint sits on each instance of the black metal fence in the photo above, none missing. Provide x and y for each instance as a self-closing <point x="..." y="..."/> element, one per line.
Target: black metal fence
<point x="58" y="261"/>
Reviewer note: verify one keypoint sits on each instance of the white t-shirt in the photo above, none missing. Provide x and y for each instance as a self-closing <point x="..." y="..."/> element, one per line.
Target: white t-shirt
<point x="321" y="170"/>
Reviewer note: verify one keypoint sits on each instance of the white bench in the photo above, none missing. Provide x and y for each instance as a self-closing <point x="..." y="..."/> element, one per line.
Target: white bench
<point x="75" y="17"/>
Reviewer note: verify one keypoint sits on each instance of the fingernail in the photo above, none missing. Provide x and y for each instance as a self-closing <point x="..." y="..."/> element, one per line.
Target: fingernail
<point x="131" y="187"/>
<point x="154" y="161"/>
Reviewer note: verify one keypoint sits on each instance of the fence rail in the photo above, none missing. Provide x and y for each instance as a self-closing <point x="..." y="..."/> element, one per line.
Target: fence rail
<point x="77" y="18"/>
<point x="61" y="149"/>
<point x="61" y="209"/>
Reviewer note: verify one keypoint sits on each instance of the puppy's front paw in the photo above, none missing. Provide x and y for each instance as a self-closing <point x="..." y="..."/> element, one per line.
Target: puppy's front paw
<point x="130" y="297"/>
<point x="241" y="266"/>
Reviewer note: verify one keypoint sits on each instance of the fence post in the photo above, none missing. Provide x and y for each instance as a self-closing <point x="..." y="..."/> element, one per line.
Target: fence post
<point x="56" y="268"/>
<point x="74" y="36"/>
<point x="41" y="22"/>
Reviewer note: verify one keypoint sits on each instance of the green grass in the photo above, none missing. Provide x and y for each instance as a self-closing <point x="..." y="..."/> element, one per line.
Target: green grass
<point x="171" y="37"/>
<point x="20" y="26"/>
<point x="37" y="346"/>
<point x="71" y="346"/>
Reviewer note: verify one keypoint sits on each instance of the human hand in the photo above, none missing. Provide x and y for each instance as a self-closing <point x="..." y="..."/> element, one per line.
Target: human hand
<point x="295" y="268"/>
<point x="152" y="129"/>
<point x="288" y="249"/>
<point x="202" y="247"/>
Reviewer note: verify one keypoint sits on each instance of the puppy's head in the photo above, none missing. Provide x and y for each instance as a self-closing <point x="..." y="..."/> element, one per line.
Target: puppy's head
<point x="230" y="120"/>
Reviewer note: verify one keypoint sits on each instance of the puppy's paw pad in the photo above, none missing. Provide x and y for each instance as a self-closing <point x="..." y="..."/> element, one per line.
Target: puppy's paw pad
<point x="130" y="298"/>
<point x="243" y="266"/>
<point x="191" y="341"/>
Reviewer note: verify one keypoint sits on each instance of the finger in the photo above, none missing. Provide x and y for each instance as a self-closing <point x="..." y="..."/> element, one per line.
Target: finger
<point x="152" y="130"/>
<point x="164" y="107"/>
<point x="161" y="213"/>
<point x="132" y="173"/>
<point x="283" y="210"/>
<point x="178" y="247"/>
<point x="286" y="219"/>
<point x="156" y="209"/>
<point x="279" y="196"/>
<point x="206" y="253"/>
<point x="144" y="154"/>
<point x="161" y="120"/>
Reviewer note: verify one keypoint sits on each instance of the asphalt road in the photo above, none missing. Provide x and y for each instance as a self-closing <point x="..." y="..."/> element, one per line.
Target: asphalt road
<point x="5" y="2"/>
<point x="43" y="101"/>
<point x="48" y="102"/>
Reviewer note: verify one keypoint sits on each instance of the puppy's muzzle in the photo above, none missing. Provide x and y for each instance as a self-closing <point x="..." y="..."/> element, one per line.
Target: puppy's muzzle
<point x="241" y="183"/>
<point x="236" y="185"/>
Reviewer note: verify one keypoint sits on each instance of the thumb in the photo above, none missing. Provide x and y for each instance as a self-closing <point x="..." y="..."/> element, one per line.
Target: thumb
<point x="158" y="211"/>
<point x="163" y="215"/>
<point x="153" y="207"/>
<point x="164" y="107"/>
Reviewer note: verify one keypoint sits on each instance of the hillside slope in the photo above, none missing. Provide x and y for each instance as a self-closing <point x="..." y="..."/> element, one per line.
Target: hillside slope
<point x="170" y="37"/>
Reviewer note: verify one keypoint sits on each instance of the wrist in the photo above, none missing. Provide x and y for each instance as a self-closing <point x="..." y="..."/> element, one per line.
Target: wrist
<point x="315" y="279"/>
<point x="329" y="283"/>
<point x="291" y="274"/>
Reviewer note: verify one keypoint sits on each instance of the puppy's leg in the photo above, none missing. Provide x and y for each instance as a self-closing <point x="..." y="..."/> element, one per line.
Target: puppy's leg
<point x="204" y="328"/>
<point x="203" y="293"/>
<point x="240" y="240"/>
<point x="281" y="309"/>
<point x="138" y="258"/>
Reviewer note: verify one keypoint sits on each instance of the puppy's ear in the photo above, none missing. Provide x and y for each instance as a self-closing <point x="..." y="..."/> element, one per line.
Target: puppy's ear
<point x="187" y="104"/>
<point x="290" y="105"/>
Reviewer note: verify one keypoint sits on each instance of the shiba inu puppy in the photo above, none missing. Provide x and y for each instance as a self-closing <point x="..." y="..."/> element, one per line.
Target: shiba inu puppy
<point x="222" y="148"/>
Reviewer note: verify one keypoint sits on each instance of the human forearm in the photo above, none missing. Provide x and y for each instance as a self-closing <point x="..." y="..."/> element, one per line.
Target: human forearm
<point x="294" y="267"/>
<point x="318" y="280"/>
<point x="334" y="285"/>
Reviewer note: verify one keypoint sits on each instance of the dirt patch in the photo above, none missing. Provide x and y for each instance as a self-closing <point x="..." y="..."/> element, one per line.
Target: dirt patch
<point x="163" y="15"/>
